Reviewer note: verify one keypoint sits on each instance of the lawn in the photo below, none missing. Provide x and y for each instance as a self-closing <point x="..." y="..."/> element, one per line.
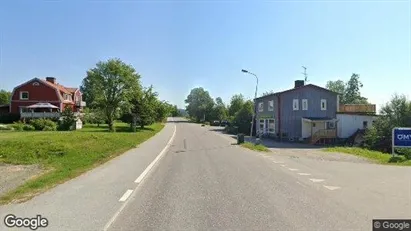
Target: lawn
<point x="378" y="157"/>
<point x="65" y="155"/>
<point x="258" y="147"/>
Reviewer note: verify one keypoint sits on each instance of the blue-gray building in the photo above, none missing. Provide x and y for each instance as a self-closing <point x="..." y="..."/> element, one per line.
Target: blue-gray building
<point x="301" y="113"/>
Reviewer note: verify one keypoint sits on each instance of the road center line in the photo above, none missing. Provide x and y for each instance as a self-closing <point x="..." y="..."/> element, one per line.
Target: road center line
<point x="283" y="165"/>
<point x="304" y="174"/>
<point x="126" y="195"/>
<point x="111" y="221"/>
<point x="317" y="180"/>
<point x="331" y="187"/>
<point x="293" y="169"/>
<point x="278" y="162"/>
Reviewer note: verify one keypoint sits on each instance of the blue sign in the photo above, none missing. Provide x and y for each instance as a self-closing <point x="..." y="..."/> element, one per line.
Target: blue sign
<point x="401" y="137"/>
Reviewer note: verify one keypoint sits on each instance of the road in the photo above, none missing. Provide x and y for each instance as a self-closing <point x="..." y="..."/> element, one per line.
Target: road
<point x="202" y="181"/>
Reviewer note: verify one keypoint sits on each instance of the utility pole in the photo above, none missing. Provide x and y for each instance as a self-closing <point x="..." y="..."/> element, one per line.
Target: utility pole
<point x="305" y="74"/>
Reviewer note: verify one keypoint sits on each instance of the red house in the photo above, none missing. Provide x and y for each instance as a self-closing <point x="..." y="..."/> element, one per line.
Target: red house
<point x="38" y="98"/>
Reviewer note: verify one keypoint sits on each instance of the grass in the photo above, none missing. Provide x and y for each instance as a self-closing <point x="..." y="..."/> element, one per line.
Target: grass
<point x="65" y="155"/>
<point x="375" y="156"/>
<point x="258" y="147"/>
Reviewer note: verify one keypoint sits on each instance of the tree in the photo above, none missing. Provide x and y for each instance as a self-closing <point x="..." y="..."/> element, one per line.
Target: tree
<point x="200" y="104"/>
<point x="337" y="86"/>
<point x="349" y="91"/>
<point x="68" y="119"/>
<point x="144" y="107"/>
<point x="109" y="87"/>
<point x="244" y="116"/>
<point x="219" y="110"/>
<point x="396" y="113"/>
<point x="236" y="103"/>
<point x="5" y="97"/>
<point x="352" y="93"/>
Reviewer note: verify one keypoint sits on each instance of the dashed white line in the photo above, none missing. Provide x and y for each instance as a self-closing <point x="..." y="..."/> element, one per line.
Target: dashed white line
<point x="317" y="180"/>
<point x="331" y="187"/>
<point x="304" y="174"/>
<point x="126" y="195"/>
<point x="283" y="165"/>
<point x="293" y="169"/>
<point x="278" y="162"/>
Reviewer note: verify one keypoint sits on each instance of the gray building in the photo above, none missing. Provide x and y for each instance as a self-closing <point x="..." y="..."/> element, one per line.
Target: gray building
<point x="304" y="112"/>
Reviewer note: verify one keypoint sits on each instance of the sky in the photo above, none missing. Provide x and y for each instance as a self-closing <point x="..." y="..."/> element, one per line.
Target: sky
<point x="179" y="45"/>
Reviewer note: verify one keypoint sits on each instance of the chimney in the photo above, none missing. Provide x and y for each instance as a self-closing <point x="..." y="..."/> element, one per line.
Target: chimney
<point x="298" y="83"/>
<point x="51" y="80"/>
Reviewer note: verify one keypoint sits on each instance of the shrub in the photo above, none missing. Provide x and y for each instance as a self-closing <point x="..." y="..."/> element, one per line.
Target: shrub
<point x="5" y="128"/>
<point x="40" y="124"/>
<point x="207" y="123"/>
<point x="68" y="119"/>
<point x="28" y="127"/>
<point x="18" y="126"/>
<point x="49" y="128"/>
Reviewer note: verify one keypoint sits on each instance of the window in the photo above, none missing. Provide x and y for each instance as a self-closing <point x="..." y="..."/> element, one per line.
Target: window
<point x="364" y="124"/>
<point x="24" y="95"/>
<point x="261" y="130"/>
<point x="305" y="104"/>
<point x="261" y="107"/>
<point x="271" y="126"/>
<point x="323" y="104"/>
<point x="36" y="84"/>
<point x="295" y="105"/>
<point x="271" y="105"/>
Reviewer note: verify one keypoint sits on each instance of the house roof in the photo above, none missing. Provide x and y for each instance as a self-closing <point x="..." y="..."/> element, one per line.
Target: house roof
<point x="71" y="89"/>
<point x="56" y="86"/>
<point x="297" y="88"/>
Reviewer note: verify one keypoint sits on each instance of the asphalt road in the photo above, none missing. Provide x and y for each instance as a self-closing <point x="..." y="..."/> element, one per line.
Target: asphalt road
<point x="205" y="182"/>
<point x="202" y="181"/>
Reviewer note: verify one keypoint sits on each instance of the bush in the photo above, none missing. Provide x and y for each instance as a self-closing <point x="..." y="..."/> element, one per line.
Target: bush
<point x="9" y="118"/>
<point x="207" y="123"/>
<point x="18" y="126"/>
<point x="5" y="128"/>
<point x="40" y="124"/>
<point x="68" y="119"/>
<point x="49" y="128"/>
<point x="28" y="127"/>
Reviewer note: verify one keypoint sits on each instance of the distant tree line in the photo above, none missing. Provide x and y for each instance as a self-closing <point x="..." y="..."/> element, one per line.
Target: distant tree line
<point x="201" y="107"/>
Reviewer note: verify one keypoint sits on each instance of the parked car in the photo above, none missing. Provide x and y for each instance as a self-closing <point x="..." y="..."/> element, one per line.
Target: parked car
<point x="224" y="123"/>
<point x="215" y="123"/>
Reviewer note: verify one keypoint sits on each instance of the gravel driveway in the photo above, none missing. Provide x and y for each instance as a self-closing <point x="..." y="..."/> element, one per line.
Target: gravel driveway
<point x="11" y="176"/>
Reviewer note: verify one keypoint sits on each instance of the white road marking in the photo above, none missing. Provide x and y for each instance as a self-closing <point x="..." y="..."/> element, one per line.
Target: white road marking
<point x="149" y="167"/>
<point x="301" y="184"/>
<point x="331" y="187"/>
<point x="283" y="165"/>
<point x="126" y="195"/>
<point x="111" y="221"/>
<point x="317" y="180"/>
<point x="278" y="162"/>
<point x="293" y="169"/>
<point x="304" y="174"/>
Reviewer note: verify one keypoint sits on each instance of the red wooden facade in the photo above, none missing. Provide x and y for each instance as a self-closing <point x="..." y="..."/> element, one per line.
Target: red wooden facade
<point x="44" y="91"/>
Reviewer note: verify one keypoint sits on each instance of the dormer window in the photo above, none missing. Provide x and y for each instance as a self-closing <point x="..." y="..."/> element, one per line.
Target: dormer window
<point x="36" y="84"/>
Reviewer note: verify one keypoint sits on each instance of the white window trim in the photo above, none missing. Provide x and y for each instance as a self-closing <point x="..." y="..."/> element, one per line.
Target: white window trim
<point x="295" y="105"/>
<point x="260" y="106"/>
<point x="271" y="105"/>
<point x="269" y="122"/>
<point x="21" y="95"/>
<point x="325" y="104"/>
<point x="304" y="102"/>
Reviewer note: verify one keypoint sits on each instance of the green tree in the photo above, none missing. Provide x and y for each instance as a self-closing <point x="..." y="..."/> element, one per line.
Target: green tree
<point x="219" y="110"/>
<point x="109" y="87"/>
<point x="144" y="106"/>
<point x="350" y="91"/>
<point x="396" y="113"/>
<point x="5" y="97"/>
<point x="244" y="116"/>
<point x="200" y="104"/>
<point x="68" y="119"/>
<point x="236" y="103"/>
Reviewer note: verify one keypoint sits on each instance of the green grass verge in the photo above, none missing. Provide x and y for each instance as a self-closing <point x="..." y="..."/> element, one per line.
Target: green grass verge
<point x="259" y="147"/>
<point x="65" y="155"/>
<point x="375" y="156"/>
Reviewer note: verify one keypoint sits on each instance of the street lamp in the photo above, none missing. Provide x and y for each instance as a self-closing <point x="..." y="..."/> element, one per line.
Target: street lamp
<point x="255" y="97"/>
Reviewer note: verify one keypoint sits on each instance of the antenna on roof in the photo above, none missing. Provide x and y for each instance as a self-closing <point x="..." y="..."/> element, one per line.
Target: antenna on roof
<point x="305" y="74"/>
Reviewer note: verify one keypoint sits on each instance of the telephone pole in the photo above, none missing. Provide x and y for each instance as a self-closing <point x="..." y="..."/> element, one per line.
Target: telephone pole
<point x="305" y="74"/>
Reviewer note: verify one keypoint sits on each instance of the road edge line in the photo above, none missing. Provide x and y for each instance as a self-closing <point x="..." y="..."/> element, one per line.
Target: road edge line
<point x="111" y="221"/>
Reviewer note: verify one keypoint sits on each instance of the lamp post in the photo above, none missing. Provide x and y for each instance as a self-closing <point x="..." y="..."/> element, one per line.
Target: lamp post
<point x="255" y="96"/>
